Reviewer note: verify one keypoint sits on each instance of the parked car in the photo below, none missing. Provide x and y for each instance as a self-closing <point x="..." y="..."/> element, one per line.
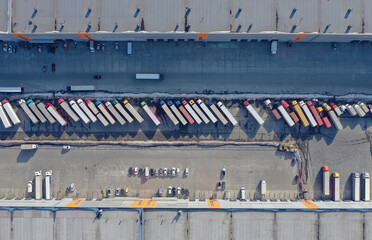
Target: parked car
<point x="53" y="67"/>
<point x="140" y="171"/>
<point x="14" y="49"/>
<point x="66" y="147"/>
<point x="178" y="191"/>
<point x="130" y="171"/>
<point x="117" y="192"/>
<point x="186" y="172"/>
<point x="178" y="171"/>
<point x="165" y="171"/>
<point x="10" y="50"/>
<point x="151" y="172"/>
<point x="108" y="192"/>
<point x="135" y="171"/>
<point x="5" y="47"/>
<point x="170" y="190"/>
<point x="173" y="172"/>
<point x="223" y="185"/>
<point x="223" y="172"/>
<point x="40" y="48"/>
<point x="117" y="46"/>
<point x="160" y="171"/>
<point x="126" y="191"/>
<point x="156" y="172"/>
<point x="219" y="186"/>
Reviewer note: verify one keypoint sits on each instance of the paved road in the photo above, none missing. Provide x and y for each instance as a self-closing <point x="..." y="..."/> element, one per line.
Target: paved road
<point x="189" y="67"/>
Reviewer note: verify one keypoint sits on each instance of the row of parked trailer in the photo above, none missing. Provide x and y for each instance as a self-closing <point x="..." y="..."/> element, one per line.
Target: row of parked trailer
<point x="37" y="185"/>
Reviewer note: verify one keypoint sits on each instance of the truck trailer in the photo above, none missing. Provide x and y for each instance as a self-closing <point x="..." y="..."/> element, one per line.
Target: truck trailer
<point x="217" y="113"/>
<point x="253" y="112"/>
<point x="336" y="186"/>
<point x="45" y="112"/>
<point x="87" y="111"/>
<point x="99" y="115"/>
<point x="227" y="113"/>
<point x="68" y="109"/>
<point x="81" y="88"/>
<point x="48" y="185"/>
<point x="359" y="110"/>
<point x="79" y="112"/>
<point x="207" y="111"/>
<point x="36" y="111"/>
<point x="122" y="111"/>
<point x="192" y="112"/>
<point x="184" y="112"/>
<point x="10" y="111"/>
<point x="27" y="110"/>
<point x="315" y="113"/>
<point x="336" y="122"/>
<point x="177" y="113"/>
<point x="168" y="112"/>
<point x="133" y="111"/>
<point x="104" y="111"/>
<point x="115" y="113"/>
<point x="308" y="114"/>
<point x="38" y="185"/>
<point x="150" y="113"/>
<point x="199" y="111"/>
<point x="285" y="115"/>
<point x="366" y="187"/>
<point x="356" y="187"/>
<point x="300" y="114"/>
<point x="326" y="180"/>
<point x="324" y="118"/>
<point x="4" y="117"/>
<point x="56" y="114"/>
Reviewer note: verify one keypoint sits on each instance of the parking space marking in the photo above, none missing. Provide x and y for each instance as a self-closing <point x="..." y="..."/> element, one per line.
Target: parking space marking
<point x="214" y="204"/>
<point x="22" y="36"/>
<point x="299" y="37"/>
<point x="85" y="36"/>
<point x="309" y="204"/>
<point x="202" y="37"/>
<point x="76" y="202"/>
<point x="143" y="203"/>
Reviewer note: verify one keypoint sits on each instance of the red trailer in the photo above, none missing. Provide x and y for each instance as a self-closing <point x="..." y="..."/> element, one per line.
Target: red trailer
<point x="185" y="113"/>
<point x="315" y="113"/>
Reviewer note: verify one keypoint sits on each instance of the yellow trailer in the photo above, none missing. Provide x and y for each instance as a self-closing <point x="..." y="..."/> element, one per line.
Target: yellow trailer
<point x="300" y="113"/>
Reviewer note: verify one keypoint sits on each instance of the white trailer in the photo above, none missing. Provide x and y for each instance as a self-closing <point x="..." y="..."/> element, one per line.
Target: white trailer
<point x="217" y="112"/>
<point x="359" y="110"/>
<point x="56" y="114"/>
<point x="192" y="112"/>
<point x="227" y="113"/>
<point x="67" y="109"/>
<point x="169" y="113"/>
<point x="148" y="76"/>
<point x="115" y="113"/>
<point x="199" y="111"/>
<point x="99" y="115"/>
<point x="336" y="187"/>
<point x="366" y="187"/>
<point x="10" y="111"/>
<point x="356" y="187"/>
<point x="335" y="120"/>
<point x="177" y="113"/>
<point x="122" y="111"/>
<point x="150" y="113"/>
<point x="286" y="116"/>
<point x="79" y="112"/>
<point x="85" y="108"/>
<point x="48" y="185"/>
<point x="43" y="109"/>
<point x="11" y="90"/>
<point x="4" y="117"/>
<point x="363" y="106"/>
<point x="326" y="179"/>
<point x="38" y="185"/>
<point x="81" y="88"/>
<point x="105" y="112"/>
<point x="351" y="110"/>
<point x="36" y="111"/>
<point x="207" y="111"/>
<point x="27" y="110"/>
<point x="253" y="112"/>
<point x="133" y="111"/>
<point x="308" y="114"/>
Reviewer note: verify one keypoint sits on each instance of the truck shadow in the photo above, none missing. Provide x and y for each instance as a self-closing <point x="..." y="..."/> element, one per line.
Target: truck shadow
<point x="25" y="155"/>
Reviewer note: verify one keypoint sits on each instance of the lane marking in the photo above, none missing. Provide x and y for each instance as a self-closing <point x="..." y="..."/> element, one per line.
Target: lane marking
<point x="214" y="204"/>
<point x="299" y="37"/>
<point x="143" y="203"/>
<point x="76" y="202"/>
<point x="202" y="37"/>
<point x="85" y="36"/>
<point x="309" y="204"/>
<point x="22" y="36"/>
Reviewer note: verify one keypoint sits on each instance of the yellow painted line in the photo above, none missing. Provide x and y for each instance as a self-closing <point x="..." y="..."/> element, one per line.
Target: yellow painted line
<point x="76" y="202"/>
<point x="85" y="36"/>
<point x="309" y="204"/>
<point x="202" y="36"/>
<point x="22" y="36"/>
<point x="214" y="204"/>
<point x="299" y="37"/>
<point x="143" y="203"/>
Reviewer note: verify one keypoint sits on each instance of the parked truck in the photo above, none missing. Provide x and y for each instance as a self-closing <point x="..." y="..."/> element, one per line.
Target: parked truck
<point x="104" y="111"/>
<point x="285" y="115"/>
<point x="177" y="113"/>
<point x="48" y="185"/>
<point x="168" y="112"/>
<point x="36" y="111"/>
<point x="11" y="113"/>
<point x="325" y="119"/>
<point x="81" y="88"/>
<point x="351" y="110"/>
<point x="122" y="111"/>
<point x="326" y="180"/>
<point x="184" y="112"/>
<point x="217" y="113"/>
<point x="359" y="110"/>
<point x="192" y="112"/>
<point x="68" y="110"/>
<point x="336" y="109"/>
<point x="336" y="186"/>
<point x="363" y="106"/>
<point x="4" y="117"/>
<point x="308" y="114"/>
<point x="315" y="113"/>
<point x="336" y="122"/>
<point x="115" y="113"/>
<point x="56" y="114"/>
<point x="99" y="115"/>
<point x="79" y="112"/>
<point x="45" y="112"/>
<point x="38" y="185"/>
<point x="300" y="114"/>
<point x="291" y="113"/>
<point x="273" y="110"/>
<point x="133" y="111"/>
<point x="356" y="187"/>
<point x="150" y="113"/>
<point x="366" y="187"/>
<point x="253" y="112"/>
<point x="199" y="111"/>
<point x="87" y="111"/>
<point x="28" y="146"/>
<point x="207" y="111"/>
<point x="227" y="113"/>
<point x="27" y="110"/>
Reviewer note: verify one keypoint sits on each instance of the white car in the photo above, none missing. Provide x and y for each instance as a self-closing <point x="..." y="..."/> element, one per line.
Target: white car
<point x="66" y="147"/>
<point x="178" y="191"/>
<point x="186" y="172"/>
<point x="178" y="171"/>
<point x="170" y="190"/>
<point x="165" y="171"/>
<point x="173" y="172"/>
<point x="135" y="171"/>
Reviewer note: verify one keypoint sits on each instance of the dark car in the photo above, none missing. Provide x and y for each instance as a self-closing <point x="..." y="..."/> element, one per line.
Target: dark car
<point x="218" y="185"/>
<point x="131" y="171"/>
<point x="223" y="185"/>
<point x="151" y="172"/>
<point x="223" y="173"/>
<point x="53" y="67"/>
<point x="97" y="76"/>
<point x="140" y="171"/>
<point x="173" y="191"/>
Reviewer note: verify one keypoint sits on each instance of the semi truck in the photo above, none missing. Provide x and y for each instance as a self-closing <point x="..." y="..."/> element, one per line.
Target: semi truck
<point x="359" y="110"/>
<point x="48" y="185"/>
<point x="4" y="117"/>
<point x="27" y="110"/>
<point x="148" y="76"/>
<point x="177" y="113"/>
<point x="300" y="114"/>
<point x="207" y="111"/>
<point x="291" y="113"/>
<point x="36" y="111"/>
<point x="150" y="113"/>
<point x="99" y="115"/>
<point x="122" y="111"/>
<point x="363" y="106"/>
<point x="168" y="112"/>
<point x="45" y="112"/>
<point x="336" y="122"/>
<point x="113" y="111"/>
<point x="10" y="111"/>
<point x="67" y="109"/>
<point x="88" y="112"/>
<point x="79" y="112"/>
<point x="253" y="112"/>
<point x="184" y="112"/>
<point x="356" y="187"/>
<point x="326" y="179"/>
<point x="104" y="111"/>
<point x="28" y="146"/>
<point x="192" y="112"/>
<point x="366" y="187"/>
<point x="351" y="110"/>
<point x="324" y="118"/>
<point x="315" y="113"/>
<point x="38" y="185"/>
<point x="308" y="114"/>
<point x="336" y="109"/>
<point x="199" y="111"/>
<point x="217" y="113"/>
<point x="336" y="186"/>
<point x="133" y="111"/>
<point x="227" y="113"/>
<point x="56" y="114"/>
<point x="285" y="115"/>
<point x="82" y="88"/>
